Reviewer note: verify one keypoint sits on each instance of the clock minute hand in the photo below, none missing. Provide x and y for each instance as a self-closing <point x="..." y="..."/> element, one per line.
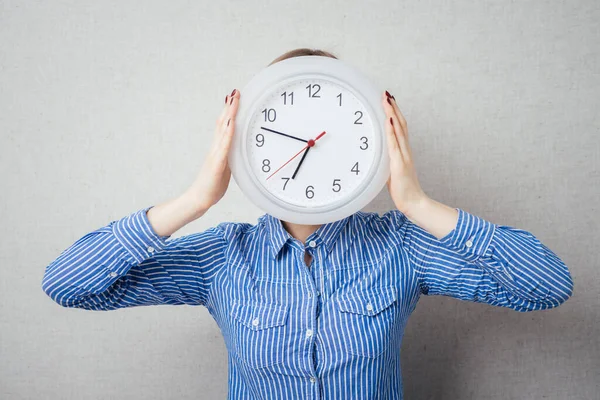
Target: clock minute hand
<point x="284" y="134"/>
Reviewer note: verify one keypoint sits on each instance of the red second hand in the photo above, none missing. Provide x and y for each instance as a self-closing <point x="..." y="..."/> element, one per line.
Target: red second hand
<point x="310" y="143"/>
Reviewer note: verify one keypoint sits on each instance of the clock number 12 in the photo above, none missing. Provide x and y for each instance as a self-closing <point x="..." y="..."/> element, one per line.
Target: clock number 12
<point x="313" y="90"/>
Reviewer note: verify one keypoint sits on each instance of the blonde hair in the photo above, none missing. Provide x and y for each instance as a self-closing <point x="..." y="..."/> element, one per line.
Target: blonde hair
<point x="302" y="52"/>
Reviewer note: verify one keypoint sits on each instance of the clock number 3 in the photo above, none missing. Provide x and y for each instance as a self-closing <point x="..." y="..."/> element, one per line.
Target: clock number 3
<point x="365" y="143"/>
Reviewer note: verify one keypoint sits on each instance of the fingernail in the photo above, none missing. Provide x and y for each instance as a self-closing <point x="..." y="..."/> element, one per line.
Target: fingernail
<point x="234" y="90"/>
<point x="391" y="121"/>
<point x="231" y="101"/>
<point x="228" y="121"/>
<point x="226" y="98"/>
<point x="393" y="98"/>
<point x="389" y="102"/>
<point x="388" y="94"/>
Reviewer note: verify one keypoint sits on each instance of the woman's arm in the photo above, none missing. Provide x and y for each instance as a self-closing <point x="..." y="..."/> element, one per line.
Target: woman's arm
<point x="461" y="255"/>
<point x="481" y="261"/>
<point x="127" y="264"/>
<point x="130" y="262"/>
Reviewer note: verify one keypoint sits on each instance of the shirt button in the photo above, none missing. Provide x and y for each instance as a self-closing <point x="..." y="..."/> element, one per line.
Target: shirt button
<point x="255" y="321"/>
<point x="150" y="249"/>
<point x="309" y="332"/>
<point x="318" y="293"/>
<point x="469" y="243"/>
<point x="309" y="295"/>
<point x="312" y="243"/>
<point x="369" y="307"/>
<point x="313" y="379"/>
<point x="113" y="274"/>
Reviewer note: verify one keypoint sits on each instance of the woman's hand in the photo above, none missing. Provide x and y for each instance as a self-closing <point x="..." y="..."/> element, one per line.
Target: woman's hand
<point x="403" y="183"/>
<point x="213" y="179"/>
<point x="433" y="216"/>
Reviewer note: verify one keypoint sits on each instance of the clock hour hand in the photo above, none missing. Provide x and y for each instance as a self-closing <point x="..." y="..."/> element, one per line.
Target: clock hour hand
<point x="284" y="134"/>
<point x="300" y="163"/>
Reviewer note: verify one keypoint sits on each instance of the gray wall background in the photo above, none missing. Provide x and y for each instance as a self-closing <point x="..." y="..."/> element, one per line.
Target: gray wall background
<point x="107" y="107"/>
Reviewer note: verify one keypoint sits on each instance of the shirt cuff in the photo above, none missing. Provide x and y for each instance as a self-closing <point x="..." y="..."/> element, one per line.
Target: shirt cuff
<point x="471" y="237"/>
<point x="137" y="236"/>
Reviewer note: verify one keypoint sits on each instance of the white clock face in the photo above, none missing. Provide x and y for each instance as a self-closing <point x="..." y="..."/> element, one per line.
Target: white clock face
<point x="329" y="167"/>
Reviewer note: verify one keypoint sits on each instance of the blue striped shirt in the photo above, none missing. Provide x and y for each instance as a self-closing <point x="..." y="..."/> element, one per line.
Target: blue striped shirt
<point x="329" y="331"/>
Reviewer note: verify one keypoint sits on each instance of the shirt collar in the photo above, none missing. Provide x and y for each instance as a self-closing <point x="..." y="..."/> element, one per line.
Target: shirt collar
<point x="326" y="234"/>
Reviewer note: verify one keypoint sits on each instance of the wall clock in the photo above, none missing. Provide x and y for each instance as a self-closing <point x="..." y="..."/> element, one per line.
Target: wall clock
<point x="309" y="145"/>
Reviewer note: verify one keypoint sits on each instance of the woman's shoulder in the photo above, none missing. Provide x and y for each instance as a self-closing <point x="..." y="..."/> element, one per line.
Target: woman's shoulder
<point x="230" y="230"/>
<point x="392" y="220"/>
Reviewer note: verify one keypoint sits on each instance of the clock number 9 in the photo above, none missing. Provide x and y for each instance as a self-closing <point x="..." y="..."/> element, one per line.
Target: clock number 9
<point x="270" y="114"/>
<point x="310" y="90"/>
<point x="260" y="140"/>
<point x="336" y="185"/>
<point x="359" y="117"/>
<point x="309" y="192"/>
<point x="266" y="165"/>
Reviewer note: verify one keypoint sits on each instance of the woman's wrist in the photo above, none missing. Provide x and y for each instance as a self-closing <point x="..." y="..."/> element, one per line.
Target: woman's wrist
<point x="168" y="217"/>
<point x="433" y="216"/>
<point x="195" y="205"/>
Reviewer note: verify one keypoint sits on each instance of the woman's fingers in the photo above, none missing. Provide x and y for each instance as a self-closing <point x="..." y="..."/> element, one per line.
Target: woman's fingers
<point x="399" y="114"/>
<point x="391" y="124"/>
<point x="224" y="110"/>
<point x="228" y="123"/>
<point x="400" y="126"/>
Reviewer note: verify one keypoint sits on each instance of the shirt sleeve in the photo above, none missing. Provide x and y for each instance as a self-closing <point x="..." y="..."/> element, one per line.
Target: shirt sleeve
<point x="126" y="264"/>
<point x="488" y="263"/>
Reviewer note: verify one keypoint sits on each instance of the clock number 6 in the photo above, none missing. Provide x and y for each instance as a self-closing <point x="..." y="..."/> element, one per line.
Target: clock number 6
<point x="309" y="192"/>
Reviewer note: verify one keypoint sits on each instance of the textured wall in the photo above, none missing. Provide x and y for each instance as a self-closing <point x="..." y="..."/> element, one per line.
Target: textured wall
<point x="106" y="107"/>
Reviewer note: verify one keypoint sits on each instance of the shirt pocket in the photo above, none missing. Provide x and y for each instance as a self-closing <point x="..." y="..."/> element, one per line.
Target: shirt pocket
<point x="259" y="332"/>
<point x="366" y="318"/>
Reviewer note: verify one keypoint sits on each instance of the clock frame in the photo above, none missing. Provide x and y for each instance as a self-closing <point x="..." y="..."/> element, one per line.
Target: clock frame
<point x="307" y="68"/>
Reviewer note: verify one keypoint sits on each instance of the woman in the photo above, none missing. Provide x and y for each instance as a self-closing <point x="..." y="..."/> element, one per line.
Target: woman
<point x="309" y="311"/>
